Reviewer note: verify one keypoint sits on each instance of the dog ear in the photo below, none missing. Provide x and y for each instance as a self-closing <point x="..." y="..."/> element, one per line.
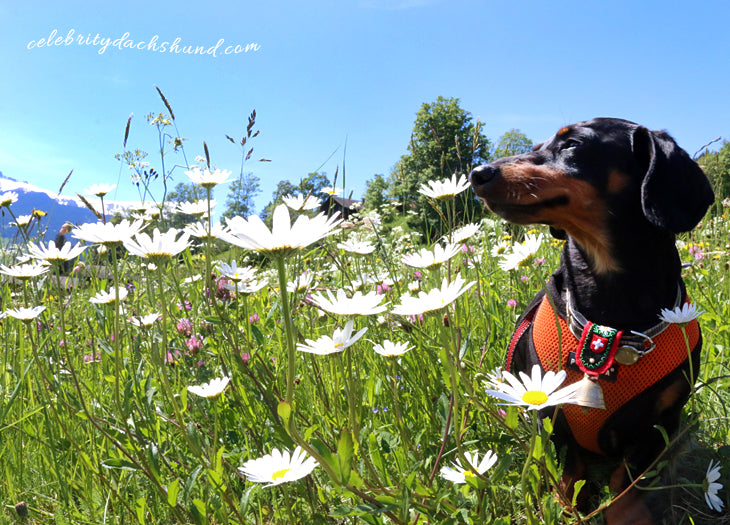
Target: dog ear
<point x="675" y="192"/>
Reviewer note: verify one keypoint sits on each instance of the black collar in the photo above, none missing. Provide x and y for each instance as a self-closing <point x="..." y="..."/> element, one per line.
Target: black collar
<point x="633" y="345"/>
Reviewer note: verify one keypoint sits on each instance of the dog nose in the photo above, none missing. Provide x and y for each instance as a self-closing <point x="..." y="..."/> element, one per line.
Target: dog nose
<point x="482" y="174"/>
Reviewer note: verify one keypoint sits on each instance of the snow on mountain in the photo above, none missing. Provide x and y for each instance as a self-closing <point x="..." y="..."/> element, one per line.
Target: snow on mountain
<point x="59" y="208"/>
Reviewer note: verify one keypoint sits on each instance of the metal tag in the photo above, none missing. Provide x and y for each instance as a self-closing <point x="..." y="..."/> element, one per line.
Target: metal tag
<point x="627" y="355"/>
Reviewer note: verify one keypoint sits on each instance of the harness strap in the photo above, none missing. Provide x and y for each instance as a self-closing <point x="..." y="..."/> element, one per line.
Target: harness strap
<point x="522" y="327"/>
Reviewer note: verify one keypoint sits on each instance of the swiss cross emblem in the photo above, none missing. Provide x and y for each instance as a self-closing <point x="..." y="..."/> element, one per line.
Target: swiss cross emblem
<point x="596" y="348"/>
<point x="598" y="344"/>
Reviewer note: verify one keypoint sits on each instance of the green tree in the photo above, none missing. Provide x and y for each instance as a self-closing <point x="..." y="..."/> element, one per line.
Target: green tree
<point x="444" y="141"/>
<point x="514" y="142"/>
<point x="312" y="184"/>
<point x="241" y="195"/>
<point x="184" y="192"/>
<point x="716" y="165"/>
<point x="376" y="192"/>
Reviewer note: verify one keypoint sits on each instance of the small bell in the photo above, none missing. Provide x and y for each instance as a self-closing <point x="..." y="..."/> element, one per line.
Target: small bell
<point x="589" y="394"/>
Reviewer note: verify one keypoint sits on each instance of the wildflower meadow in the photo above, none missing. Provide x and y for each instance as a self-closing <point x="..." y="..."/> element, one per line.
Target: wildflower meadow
<point x="310" y="370"/>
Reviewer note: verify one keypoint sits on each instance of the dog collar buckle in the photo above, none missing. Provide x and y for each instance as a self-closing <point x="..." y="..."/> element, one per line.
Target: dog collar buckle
<point x="629" y="352"/>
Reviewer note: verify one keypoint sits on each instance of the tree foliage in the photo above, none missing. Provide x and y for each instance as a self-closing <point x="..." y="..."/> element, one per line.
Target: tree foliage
<point x="514" y="142"/>
<point x="444" y="141"/>
<point x="241" y="195"/>
<point x="186" y="192"/>
<point x="312" y="184"/>
<point x="376" y="192"/>
<point x="716" y="165"/>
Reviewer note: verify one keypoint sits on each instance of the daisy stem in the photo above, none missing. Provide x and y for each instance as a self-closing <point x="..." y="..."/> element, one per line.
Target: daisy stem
<point x="116" y="343"/>
<point x="246" y="321"/>
<point x="352" y="392"/>
<point x="692" y="377"/>
<point x="451" y="214"/>
<point x="61" y="309"/>
<point x="103" y="211"/>
<point x="288" y="330"/>
<point x="208" y="272"/>
<point x="525" y="470"/>
<point x="402" y="427"/>
<point x="452" y="363"/>
<point x="159" y="357"/>
<point x="215" y="429"/>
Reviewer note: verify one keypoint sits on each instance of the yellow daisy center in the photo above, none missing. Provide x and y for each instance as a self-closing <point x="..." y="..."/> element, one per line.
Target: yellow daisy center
<point x="469" y="474"/>
<point x="534" y="397"/>
<point x="338" y="345"/>
<point x="279" y="474"/>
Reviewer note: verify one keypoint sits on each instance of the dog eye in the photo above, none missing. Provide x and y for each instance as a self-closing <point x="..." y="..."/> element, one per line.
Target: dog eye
<point x="570" y="143"/>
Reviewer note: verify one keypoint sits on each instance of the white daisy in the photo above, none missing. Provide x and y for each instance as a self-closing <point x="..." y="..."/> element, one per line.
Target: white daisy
<point x="301" y="283"/>
<point x="99" y="189"/>
<point x="361" y="281"/>
<point x="712" y="487"/>
<point x="434" y="299"/>
<point x="359" y="247"/>
<point x="325" y="345"/>
<point x="390" y="349"/>
<point x="107" y="233"/>
<point x="535" y="392"/>
<point x="334" y="192"/>
<point x="212" y="388"/>
<point x="681" y="315"/>
<point x="522" y="254"/>
<point x="52" y="254"/>
<point x="207" y="178"/>
<point x="200" y="230"/>
<point x="145" y="320"/>
<point x="8" y="198"/>
<point x="236" y="273"/>
<point x="196" y="209"/>
<point x="458" y="474"/>
<point x="247" y="287"/>
<point x="192" y="279"/>
<point x="462" y="234"/>
<point x="284" y="238"/>
<point x="25" y="271"/>
<point x="445" y="189"/>
<point x="358" y="304"/>
<point x="22" y="221"/>
<point x="495" y="378"/>
<point x="299" y="202"/>
<point x="114" y="294"/>
<point x="501" y="248"/>
<point x="279" y="467"/>
<point x="25" y="314"/>
<point x="159" y="247"/>
<point x="426" y="258"/>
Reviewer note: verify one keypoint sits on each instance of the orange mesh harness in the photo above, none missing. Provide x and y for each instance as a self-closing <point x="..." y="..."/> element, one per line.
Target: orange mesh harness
<point x="554" y="341"/>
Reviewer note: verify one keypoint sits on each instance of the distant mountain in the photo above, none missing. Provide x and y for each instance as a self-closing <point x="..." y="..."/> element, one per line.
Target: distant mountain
<point x="58" y="209"/>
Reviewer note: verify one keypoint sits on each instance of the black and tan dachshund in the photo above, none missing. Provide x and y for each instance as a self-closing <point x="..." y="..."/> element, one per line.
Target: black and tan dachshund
<point x="619" y="193"/>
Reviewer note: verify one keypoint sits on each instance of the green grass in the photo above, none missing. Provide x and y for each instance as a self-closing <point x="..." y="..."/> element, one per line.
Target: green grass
<point x="116" y="437"/>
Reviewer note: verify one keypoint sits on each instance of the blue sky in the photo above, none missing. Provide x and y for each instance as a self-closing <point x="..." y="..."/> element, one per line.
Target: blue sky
<point x="339" y="82"/>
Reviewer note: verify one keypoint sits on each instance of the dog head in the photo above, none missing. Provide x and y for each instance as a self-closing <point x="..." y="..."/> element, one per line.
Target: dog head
<point x="596" y="179"/>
